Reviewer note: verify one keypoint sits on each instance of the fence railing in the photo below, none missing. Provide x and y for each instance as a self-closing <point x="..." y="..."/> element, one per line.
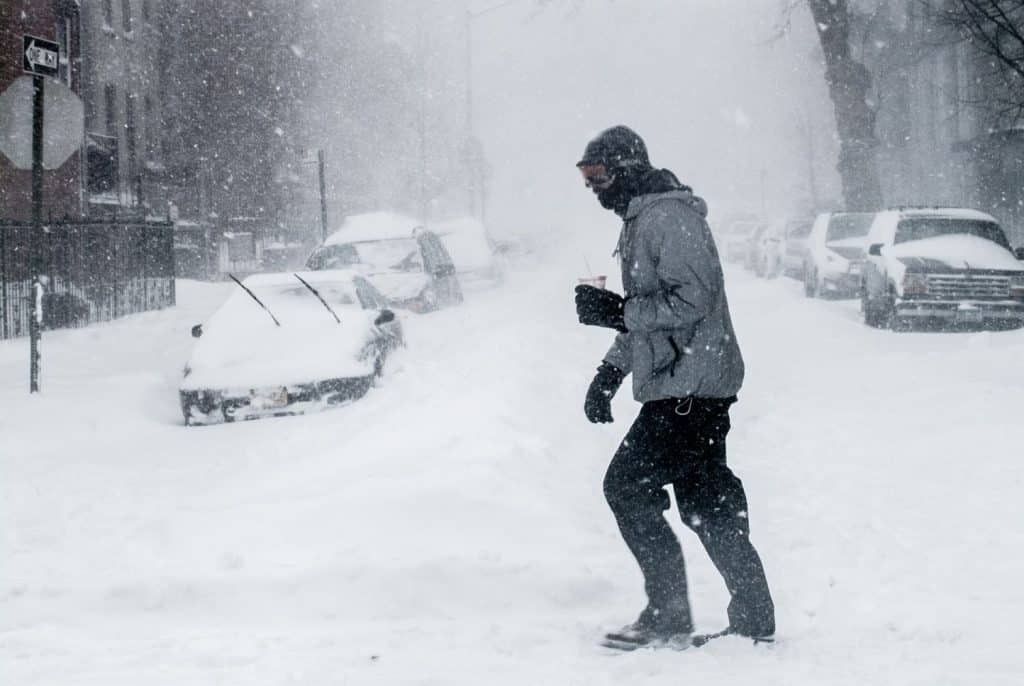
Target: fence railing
<point x="93" y="272"/>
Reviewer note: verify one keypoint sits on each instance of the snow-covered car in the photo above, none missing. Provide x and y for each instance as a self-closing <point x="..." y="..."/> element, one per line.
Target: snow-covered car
<point x="736" y="237"/>
<point x="794" y="250"/>
<point x="285" y="344"/>
<point x="835" y="252"/>
<point x="949" y="265"/>
<point x="471" y="250"/>
<point x="764" y="256"/>
<point x="408" y="263"/>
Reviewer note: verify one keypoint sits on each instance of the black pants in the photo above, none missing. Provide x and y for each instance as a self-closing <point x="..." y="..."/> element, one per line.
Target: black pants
<point x="682" y="443"/>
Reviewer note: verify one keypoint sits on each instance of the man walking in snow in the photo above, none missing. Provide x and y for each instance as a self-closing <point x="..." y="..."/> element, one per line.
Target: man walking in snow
<point x="676" y="338"/>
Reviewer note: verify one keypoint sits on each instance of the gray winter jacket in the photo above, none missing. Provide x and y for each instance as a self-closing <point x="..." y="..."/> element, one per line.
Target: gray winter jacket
<point x="680" y="341"/>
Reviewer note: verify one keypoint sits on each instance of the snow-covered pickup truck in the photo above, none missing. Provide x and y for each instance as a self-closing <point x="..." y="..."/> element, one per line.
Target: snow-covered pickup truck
<point x="952" y="266"/>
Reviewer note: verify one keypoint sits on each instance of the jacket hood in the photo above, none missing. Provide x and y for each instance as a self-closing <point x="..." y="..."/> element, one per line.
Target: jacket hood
<point x="679" y="192"/>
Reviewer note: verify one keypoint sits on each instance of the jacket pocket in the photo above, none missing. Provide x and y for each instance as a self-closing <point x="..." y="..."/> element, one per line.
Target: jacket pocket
<point x="665" y="353"/>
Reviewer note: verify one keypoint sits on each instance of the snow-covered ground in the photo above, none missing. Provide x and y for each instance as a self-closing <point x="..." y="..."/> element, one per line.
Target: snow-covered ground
<point x="449" y="528"/>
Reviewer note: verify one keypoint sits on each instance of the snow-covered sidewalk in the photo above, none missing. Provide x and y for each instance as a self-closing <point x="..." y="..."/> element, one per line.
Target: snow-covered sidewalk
<point x="449" y="528"/>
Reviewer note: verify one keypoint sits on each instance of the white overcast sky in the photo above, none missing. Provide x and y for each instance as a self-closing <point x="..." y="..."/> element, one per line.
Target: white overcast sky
<point x="700" y="80"/>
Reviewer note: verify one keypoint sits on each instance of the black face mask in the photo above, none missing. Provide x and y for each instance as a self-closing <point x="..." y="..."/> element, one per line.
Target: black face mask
<point x="633" y="183"/>
<point x="617" y="196"/>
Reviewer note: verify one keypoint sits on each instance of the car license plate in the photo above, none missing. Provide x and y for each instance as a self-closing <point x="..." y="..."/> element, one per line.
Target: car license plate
<point x="269" y="400"/>
<point x="855" y="268"/>
<point x="969" y="316"/>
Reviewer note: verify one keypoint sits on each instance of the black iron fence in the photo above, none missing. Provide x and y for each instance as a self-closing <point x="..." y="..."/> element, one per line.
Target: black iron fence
<point x="92" y="272"/>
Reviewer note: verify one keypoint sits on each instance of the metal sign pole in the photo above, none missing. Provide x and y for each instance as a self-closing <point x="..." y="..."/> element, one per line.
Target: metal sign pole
<point x="35" y="325"/>
<point x="40" y="58"/>
<point x="323" y="196"/>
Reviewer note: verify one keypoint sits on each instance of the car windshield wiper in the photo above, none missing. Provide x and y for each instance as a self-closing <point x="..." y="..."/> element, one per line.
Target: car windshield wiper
<point x="253" y="296"/>
<point x="319" y="297"/>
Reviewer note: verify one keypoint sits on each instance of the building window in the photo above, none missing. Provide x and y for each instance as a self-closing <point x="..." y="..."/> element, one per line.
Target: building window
<point x="101" y="164"/>
<point x="110" y="108"/>
<point x="149" y="129"/>
<point x="126" y="15"/>
<point x="131" y="138"/>
<point x="64" y="40"/>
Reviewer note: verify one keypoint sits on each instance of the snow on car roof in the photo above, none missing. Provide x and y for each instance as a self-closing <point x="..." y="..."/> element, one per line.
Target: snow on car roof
<point x="944" y="212"/>
<point x="373" y="226"/>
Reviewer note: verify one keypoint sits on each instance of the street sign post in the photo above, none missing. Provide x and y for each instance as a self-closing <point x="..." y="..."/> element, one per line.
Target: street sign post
<point x="42" y="59"/>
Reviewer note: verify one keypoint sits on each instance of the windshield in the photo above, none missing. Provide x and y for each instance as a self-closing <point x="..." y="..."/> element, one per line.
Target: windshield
<point x="742" y="228"/>
<point x="799" y="229"/>
<point x="402" y="254"/>
<point x="843" y="226"/>
<point x="335" y="293"/>
<point x="919" y="228"/>
<point x="333" y="257"/>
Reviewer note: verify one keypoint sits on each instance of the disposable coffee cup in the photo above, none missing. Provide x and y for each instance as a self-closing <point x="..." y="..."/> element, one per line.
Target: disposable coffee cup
<point x="595" y="281"/>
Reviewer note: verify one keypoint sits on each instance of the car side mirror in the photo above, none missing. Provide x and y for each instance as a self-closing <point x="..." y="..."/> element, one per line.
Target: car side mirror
<point x="1019" y="252"/>
<point x="875" y="250"/>
<point x="385" y="317"/>
<point x="197" y="331"/>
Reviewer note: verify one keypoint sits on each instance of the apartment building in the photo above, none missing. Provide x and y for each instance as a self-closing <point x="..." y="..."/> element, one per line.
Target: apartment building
<point x="123" y="97"/>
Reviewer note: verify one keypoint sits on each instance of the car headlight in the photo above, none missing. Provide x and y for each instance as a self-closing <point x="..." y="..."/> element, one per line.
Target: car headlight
<point x="915" y="284"/>
<point x="1017" y="286"/>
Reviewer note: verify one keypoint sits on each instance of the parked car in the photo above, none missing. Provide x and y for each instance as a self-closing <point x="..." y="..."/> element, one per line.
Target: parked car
<point x="471" y="250"/>
<point x="737" y="237"/>
<point x="834" y="257"/>
<point x="794" y="250"/>
<point x="764" y="255"/>
<point x="285" y="344"/>
<point x="408" y="263"/>
<point x="947" y="265"/>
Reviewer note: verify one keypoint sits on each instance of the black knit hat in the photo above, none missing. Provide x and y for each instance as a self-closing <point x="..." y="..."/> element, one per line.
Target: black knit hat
<point x="615" y="148"/>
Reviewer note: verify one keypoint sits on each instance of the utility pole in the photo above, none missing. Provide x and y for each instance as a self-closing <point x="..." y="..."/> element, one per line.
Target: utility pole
<point x="474" y="154"/>
<point x="470" y="147"/>
<point x="323" y="195"/>
<point x="421" y="124"/>
<point x="764" y="184"/>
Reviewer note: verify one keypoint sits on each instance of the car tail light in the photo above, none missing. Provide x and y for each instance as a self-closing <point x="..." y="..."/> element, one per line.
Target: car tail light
<point x="915" y="284"/>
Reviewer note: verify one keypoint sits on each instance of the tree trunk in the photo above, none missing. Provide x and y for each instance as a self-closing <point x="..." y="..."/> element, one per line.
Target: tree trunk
<point x="849" y="82"/>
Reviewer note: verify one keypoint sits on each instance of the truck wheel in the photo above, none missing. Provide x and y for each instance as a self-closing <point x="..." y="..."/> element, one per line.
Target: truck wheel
<point x="871" y="316"/>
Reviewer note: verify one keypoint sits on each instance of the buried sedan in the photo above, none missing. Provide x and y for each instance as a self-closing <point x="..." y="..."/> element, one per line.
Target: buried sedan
<point x="285" y="344"/>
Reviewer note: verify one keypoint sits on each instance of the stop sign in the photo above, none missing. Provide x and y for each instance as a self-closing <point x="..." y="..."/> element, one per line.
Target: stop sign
<point x="63" y="123"/>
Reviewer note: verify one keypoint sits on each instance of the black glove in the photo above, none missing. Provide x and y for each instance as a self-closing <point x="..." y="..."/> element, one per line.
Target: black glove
<point x="598" y="405"/>
<point x="598" y="307"/>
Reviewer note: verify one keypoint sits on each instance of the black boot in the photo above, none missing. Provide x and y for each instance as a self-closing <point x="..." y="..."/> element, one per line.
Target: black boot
<point x="697" y="640"/>
<point x="653" y="627"/>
